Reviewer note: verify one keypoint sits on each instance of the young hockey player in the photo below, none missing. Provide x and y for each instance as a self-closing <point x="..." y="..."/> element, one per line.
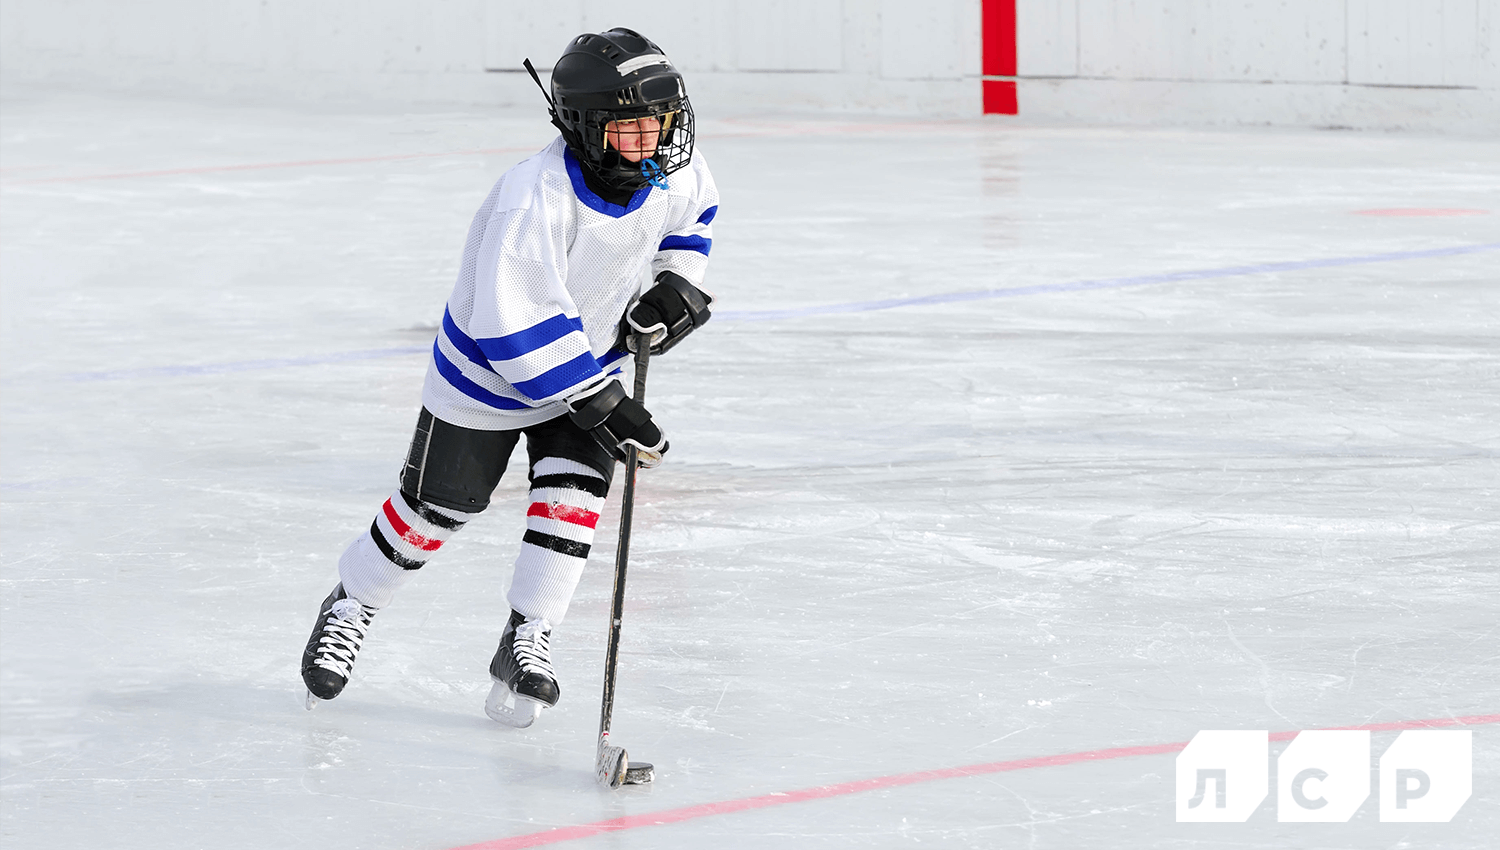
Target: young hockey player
<point x="602" y="234"/>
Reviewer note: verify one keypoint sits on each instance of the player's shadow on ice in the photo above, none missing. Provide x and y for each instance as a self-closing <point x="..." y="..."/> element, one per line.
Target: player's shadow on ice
<point x="227" y="708"/>
<point x="218" y="729"/>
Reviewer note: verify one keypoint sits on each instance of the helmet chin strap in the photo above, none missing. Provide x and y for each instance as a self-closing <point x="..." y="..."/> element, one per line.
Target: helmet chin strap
<point x="653" y="174"/>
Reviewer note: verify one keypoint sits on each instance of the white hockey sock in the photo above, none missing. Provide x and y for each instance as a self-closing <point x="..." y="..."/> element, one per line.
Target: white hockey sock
<point x="403" y="536"/>
<point x="566" y="498"/>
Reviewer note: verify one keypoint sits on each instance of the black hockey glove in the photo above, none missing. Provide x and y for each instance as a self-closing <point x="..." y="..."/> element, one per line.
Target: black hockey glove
<point x="668" y="311"/>
<point x="617" y="420"/>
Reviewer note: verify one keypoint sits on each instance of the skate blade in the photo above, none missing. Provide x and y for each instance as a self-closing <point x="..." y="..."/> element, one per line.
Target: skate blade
<point x="312" y="701"/>
<point x="505" y="706"/>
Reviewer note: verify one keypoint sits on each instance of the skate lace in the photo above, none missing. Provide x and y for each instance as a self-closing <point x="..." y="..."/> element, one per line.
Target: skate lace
<point x="532" y="650"/>
<point x="343" y="633"/>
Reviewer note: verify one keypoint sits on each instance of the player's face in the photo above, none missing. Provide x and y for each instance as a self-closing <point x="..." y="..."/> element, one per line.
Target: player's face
<point x="635" y="139"/>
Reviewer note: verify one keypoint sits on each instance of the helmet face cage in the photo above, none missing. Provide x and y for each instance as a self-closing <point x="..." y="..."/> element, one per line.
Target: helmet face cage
<point x="674" y="144"/>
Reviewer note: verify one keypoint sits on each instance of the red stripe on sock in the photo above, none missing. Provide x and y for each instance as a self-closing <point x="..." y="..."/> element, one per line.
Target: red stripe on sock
<point x="566" y="513"/>
<point x="426" y="544"/>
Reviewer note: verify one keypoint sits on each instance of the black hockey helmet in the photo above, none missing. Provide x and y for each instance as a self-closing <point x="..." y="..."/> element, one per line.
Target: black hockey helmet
<point x="620" y="75"/>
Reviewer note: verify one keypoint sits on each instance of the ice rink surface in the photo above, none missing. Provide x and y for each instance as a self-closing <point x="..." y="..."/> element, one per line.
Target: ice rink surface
<point x="1005" y="442"/>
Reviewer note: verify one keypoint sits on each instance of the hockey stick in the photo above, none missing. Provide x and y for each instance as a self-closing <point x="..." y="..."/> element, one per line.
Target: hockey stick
<point x="612" y="766"/>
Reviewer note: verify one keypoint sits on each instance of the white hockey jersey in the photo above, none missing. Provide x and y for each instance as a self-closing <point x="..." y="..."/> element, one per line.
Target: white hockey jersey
<point x="548" y="270"/>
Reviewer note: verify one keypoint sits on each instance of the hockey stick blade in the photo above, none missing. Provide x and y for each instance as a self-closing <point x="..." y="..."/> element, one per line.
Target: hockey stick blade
<point x="611" y="766"/>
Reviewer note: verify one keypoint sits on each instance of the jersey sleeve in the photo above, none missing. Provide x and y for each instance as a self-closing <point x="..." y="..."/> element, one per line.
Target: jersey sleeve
<point x="525" y="325"/>
<point x="685" y="247"/>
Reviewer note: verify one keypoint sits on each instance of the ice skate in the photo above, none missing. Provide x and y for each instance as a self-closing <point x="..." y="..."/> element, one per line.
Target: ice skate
<point x="336" y="638"/>
<point x="522" y="670"/>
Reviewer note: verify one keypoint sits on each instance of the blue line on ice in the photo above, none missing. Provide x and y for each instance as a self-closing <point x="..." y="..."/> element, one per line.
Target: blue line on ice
<point x="246" y="365"/>
<point x="1105" y="283"/>
<point x="178" y="371"/>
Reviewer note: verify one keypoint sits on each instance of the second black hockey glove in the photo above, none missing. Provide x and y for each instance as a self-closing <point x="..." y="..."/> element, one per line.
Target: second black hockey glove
<point x="616" y="420"/>
<point x="669" y="311"/>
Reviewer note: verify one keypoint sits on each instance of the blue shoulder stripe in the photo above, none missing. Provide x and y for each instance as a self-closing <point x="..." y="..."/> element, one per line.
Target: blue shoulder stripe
<point x="708" y="214"/>
<point x="686" y="243"/>
<point x="559" y="378"/>
<point x="453" y="376"/>
<point x="521" y="343"/>
<point x="461" y="341"/>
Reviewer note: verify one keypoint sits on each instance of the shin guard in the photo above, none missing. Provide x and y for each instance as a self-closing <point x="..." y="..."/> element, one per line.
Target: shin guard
<point x="566" y="498"/>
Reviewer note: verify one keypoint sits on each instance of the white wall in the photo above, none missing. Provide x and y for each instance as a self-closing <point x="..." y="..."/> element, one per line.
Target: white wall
<point x="889" y="55"/>
<point x="1427" y="64"/>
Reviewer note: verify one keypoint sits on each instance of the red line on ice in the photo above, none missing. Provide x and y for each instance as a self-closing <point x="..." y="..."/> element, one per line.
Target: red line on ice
<point x="821" y="792"/>
<point x="762" y="129"/>
<point x="1420" y="211"/>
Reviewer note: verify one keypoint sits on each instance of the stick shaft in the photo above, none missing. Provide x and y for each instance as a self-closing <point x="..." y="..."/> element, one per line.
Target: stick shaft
<point x="622" y="550"/>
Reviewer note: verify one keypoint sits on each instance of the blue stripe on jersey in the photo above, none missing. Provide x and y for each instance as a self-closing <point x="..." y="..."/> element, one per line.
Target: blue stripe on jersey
<point x="522" y="343"/>
<point x="456" y="379"/>
<point x="686" y="243"/>
<point x="461" y="341"/>
<point x="593" y="201"/>
<point x="708" y="214"/>
<point x="614" y="355"/>
<point x="559" y="378"/>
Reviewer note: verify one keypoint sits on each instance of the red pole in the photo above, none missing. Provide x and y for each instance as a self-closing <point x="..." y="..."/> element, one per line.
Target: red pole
<point x="998" y="33"/>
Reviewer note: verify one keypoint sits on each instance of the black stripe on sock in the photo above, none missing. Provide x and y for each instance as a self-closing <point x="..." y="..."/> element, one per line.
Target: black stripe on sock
<point x="561" y="545"/>
<point x="391" y="554"/>
<point x="596" y="487"/>
<point x="425" y="511"/>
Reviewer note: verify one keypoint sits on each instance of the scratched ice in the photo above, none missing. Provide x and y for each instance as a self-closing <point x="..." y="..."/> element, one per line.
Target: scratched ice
<point x="1006" y="442"/>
